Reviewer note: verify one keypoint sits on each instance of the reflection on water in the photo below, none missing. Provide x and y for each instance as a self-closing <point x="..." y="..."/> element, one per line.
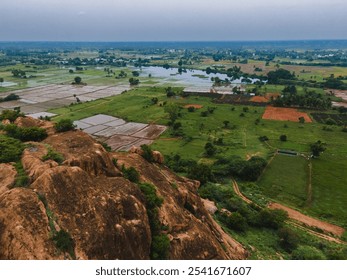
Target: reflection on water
<point x="190" y="78"/>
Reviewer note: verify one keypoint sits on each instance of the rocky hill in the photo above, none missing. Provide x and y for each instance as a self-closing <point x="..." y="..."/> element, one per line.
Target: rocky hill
<point x="84" y="207"/>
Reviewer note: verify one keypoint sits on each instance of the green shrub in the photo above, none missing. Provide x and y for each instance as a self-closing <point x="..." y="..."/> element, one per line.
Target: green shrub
<point x="272" y="218"/>
<point x="147" y="153"/>
<point x="289" y="240"/>
<point x="26" y="133"/>
<point x="10" y="149"/>
<point x="64" y="242"/>
<point x="53" y="155"/>
<point x="200" y="172"/>
<point x="22" y="179"/>
<point x="64" y="125"/>
<point x="10" y="115"/>
<point x="131" y="174"/>
<point x="160" y="242"/>
<point x="160" y="247"/>
<point x="305" y="252"/>
<point x="235" y="221"/>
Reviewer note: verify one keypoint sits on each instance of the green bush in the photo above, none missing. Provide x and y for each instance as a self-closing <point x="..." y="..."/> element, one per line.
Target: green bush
<point x="10" y="149"/>
<point x="26" y="133"/>
<point x="160" y="247"/>
<point x="272" y="218"/>
<point x="131" y="174"/>
<point x="64" y="242"/>
<point x="160" y="242"/>
<point x="235" y="221"/>
<point x="147" y="153"/>
<point x="305" y="252"/>
<point x="10" y="115"/>
<point x="200" y="172"/>
<point x="289" y="240"/>
<point x="64" y="125"/>
<point x="53" y="155"/>
<point x="22" y="179"/>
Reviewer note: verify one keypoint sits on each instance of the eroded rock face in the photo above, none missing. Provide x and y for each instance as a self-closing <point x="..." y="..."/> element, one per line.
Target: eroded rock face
<point x="80" y="149"/>
<point x="24" y="230"/>
<point x="193" y="233"/>
<point x="103" y="213"/>
<point x="105" y="216"/>
<point x="7" y="176"/>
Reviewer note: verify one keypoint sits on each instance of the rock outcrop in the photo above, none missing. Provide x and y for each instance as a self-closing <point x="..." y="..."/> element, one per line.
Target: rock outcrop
<point x="103" y="214"/>
<point x="7" y="176"/>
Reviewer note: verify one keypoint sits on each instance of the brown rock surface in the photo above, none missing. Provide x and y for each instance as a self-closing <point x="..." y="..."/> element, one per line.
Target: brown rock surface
<point x="24" y="230"/>
<point x="7" y="176"/>
<point x="103" y="212"/>
<point x="194" y="233"/>
<point x="29" y="122"/>
<point x="80" y="149"/>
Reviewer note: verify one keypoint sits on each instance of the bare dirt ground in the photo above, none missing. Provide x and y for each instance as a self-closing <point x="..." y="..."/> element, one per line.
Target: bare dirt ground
<point x="284" y="114"/>
<point x="196" y="106"/>
<point x="260" y="99"/>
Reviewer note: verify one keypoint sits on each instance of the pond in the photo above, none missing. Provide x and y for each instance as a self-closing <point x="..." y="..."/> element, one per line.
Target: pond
<point x="188" y="78"/>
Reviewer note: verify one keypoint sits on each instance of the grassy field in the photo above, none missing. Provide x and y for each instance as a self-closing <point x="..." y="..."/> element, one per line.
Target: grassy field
<point x="285" y="179"/>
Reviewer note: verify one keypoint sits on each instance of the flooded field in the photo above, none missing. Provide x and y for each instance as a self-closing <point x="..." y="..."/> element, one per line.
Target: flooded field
<point x="40" y="99"/>
<point x="117" y="133"/>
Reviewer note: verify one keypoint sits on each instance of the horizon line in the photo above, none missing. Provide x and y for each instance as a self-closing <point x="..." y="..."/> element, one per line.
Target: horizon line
<point x="169" y="41"/>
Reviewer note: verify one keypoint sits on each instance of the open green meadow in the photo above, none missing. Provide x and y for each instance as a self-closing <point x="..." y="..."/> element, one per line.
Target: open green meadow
<point x="285" y="179"/>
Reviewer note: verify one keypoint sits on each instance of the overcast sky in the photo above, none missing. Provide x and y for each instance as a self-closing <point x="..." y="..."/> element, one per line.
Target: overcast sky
<point x="171" y="20"/>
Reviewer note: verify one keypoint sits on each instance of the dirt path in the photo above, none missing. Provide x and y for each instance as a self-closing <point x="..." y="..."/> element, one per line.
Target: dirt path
<point x="299" y="219"/>
<point x="320" y="235"/>
<point x="307" y="220"/>
<point x="309" y="185"/>
<point x="238" y="192"/>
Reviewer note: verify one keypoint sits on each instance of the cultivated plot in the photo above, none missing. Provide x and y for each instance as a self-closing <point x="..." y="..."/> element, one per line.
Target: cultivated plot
<point x="38" y="99"/>
<point x="117" y="133"/>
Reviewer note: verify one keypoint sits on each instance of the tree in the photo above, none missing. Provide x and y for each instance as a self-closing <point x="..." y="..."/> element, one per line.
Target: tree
<point x="169" y="92"/>
<point x="135" y="73"/>
<point x="200" y="172"/>
<point x="1" y="80"/>
<point x="173" y="110"/>
<point x="226" y="123"/>
<point x="78" y="80"/>
<point x="134" y="82"/>
<point x="317" y="148"/>
<point x="283" y="137"/>
<point x="274" y="77"/>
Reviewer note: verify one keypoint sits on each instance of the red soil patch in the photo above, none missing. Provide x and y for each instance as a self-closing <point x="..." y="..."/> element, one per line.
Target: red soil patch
<point x="284" y="114"/>
<point x="260" y="99"/>
<point x="196" y="106"/>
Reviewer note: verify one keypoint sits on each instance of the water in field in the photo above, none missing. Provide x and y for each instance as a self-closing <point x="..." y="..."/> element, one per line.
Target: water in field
<point x="7" y="84"/>
<point x="188" y="78"/>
